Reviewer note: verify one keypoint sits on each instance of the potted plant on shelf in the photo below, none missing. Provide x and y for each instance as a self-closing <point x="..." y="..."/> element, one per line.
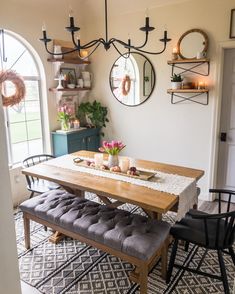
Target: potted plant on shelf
<point x="176" y="82"/>
<point x="94" y="113"/>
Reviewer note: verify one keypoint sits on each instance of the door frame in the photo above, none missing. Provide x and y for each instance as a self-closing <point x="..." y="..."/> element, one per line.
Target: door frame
<point x="214" y="154"/>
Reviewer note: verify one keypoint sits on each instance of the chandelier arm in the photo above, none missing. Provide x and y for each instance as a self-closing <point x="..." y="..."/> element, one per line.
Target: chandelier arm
<point x="93" y="50"/>
<point x="93" y="43"/>
<point x="74" y="42"/>
<point x="127" y="45"/>
<point x="64" y="53"/>
<point x="148" y="52"/>
<point x="124" y="55"/>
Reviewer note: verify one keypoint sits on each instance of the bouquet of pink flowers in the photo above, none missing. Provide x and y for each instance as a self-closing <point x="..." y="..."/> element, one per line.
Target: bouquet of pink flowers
<point x="64" y="113"/>
<point x="112" y="148"/>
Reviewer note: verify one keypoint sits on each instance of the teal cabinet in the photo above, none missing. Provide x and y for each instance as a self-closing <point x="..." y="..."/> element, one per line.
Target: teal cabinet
<point x="69" y="142"/>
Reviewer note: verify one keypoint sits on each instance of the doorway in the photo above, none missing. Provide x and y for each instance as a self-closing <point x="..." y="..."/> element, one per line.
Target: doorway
<point x="226" y="155"/>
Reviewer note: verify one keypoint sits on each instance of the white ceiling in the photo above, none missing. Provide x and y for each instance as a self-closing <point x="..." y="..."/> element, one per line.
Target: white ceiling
<point x="96" y="7"/>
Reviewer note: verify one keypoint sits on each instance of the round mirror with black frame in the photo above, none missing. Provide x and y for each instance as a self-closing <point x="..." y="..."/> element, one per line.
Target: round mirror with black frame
<point x="132" y="79"/>
<point x="191" y="43"/>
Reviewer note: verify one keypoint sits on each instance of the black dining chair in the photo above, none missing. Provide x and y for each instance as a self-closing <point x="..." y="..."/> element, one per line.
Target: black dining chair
<point x="211" y="231"/>
<point x="36" y="185"/>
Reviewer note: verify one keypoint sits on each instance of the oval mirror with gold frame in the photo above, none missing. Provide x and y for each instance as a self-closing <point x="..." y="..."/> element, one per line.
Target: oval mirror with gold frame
<point x="191" y="43"/>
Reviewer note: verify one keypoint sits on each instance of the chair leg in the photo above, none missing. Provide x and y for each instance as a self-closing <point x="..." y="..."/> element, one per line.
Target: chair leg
<point x="223" y="272"/>
<point x="186" y="246"/>
<point x="27" y="232"/>
<point x="231" y="251"/>
<point x="172" y="261"/>
<point x="31" y="195"/>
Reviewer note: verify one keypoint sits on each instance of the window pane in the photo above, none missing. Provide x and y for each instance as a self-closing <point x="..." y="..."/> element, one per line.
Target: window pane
<point x="18" y="132"/>
<point x="18" y="57"/>
<point x="32" y="92"/>
<point x="34" y="130"/>
<point x="19" y="151"/>
<point x="17" y="113"/>
<point x="35" y="147"/>
<point x="31" y="108"/>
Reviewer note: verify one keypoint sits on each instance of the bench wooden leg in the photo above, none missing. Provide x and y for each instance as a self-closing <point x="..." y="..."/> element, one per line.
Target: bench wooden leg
<point x="164" y="259"/>
<point x="26" y="232"/>
<point x="143" y="279"/>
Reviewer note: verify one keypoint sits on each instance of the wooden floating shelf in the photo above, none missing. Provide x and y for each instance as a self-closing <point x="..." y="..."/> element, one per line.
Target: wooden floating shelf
<point x="54" y="90"/>
<point x="69" y="60"/>
<point x="170" y="91"/>
<point x="194" y="60"/>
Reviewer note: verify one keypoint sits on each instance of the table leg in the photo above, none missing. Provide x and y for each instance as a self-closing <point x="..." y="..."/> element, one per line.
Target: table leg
<point x="76" y="192"/>
<point x="109" y="203"/>
<point x="56" y="237"/>
<point x="153" y="214"/>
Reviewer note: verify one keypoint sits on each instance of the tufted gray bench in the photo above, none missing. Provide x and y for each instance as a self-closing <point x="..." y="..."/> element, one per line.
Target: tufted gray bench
<point x="134" y="238"/>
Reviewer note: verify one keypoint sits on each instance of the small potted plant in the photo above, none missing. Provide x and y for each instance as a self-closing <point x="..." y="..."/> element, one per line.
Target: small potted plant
<point x="94" y="113"/>
<point x="176" y="81"/>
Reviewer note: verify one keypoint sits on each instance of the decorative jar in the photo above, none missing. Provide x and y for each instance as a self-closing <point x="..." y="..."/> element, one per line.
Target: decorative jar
<point x="113" y="160"/>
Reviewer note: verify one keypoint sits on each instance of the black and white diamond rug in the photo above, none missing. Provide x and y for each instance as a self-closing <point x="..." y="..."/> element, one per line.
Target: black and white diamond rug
<point x="72" y="267"/>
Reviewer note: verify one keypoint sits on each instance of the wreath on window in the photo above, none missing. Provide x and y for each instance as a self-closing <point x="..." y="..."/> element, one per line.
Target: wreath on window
<point x="19" y="84"/>
<point x="126" y="85"/>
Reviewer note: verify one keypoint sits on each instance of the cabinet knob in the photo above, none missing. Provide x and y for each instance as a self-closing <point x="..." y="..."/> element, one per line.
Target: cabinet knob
<point x="89" y="139"/>
<point x="83" y="140"/>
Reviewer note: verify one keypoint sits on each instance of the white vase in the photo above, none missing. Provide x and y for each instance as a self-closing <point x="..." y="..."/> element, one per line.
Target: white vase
<point x="113" y="160"/>
<point x="57" y="50"/>
<point x="176" y="85"/>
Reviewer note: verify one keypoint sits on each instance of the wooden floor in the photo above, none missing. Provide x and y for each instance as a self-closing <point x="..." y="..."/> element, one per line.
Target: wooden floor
<point x="212" y="207"/>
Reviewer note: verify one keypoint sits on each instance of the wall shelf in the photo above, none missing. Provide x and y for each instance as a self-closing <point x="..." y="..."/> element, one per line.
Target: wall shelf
<point x="194" y="93"/>
<point x="54" y="90"/>
<point x="195" y="63"/>
<point x="71" y="61"/>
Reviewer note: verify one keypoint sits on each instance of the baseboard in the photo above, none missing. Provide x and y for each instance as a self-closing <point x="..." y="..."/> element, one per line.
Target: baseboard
<point x="205" y="197"/>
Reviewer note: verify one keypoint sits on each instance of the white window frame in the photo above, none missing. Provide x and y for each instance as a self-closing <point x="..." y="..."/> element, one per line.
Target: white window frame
<point x="6" y="115"/>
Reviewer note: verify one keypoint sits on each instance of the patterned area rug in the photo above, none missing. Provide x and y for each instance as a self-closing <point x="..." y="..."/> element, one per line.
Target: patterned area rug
<point x="72" y="267"/>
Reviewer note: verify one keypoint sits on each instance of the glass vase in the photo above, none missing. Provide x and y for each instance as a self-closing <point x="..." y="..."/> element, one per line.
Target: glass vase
<point x="65" y="125"/>
<point x="113" y="160"/>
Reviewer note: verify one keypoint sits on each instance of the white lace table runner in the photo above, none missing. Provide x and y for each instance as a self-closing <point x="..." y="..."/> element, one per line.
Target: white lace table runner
<point x="181" y="186"/>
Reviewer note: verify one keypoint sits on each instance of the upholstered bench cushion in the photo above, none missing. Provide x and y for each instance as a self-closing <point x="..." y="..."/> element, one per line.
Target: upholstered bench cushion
<point x="130" y="233"/>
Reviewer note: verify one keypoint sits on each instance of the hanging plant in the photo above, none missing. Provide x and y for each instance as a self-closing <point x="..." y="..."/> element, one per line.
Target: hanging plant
<point x="19" y="84"/>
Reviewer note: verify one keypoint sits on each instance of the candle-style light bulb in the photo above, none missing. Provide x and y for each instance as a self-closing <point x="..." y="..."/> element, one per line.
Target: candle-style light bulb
<point x="71" y="17"/>
<point x="44" y="26"/>
<point x="146" y="12"/>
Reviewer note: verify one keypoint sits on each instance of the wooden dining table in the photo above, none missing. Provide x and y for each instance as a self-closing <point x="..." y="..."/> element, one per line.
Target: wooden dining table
<point x="153" y="202"/>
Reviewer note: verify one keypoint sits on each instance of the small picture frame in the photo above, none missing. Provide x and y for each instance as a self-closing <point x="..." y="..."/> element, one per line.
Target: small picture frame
<point x="232" y="25"/>
<point x="70" y="102"/>
<point x="70" y="73"/>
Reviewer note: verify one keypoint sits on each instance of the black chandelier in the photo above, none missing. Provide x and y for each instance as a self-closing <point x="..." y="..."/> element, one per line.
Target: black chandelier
<point x="107" y="43"/>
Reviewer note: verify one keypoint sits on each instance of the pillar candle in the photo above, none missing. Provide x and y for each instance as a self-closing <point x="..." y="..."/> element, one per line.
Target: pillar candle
<point x="98" y="159"/>
<point x="124" y="164"/>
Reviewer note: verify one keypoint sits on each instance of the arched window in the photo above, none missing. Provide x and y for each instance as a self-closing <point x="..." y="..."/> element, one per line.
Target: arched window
<point x="23" y="121"/>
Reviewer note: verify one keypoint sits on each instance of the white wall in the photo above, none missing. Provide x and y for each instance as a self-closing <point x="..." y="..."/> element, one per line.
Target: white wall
<point x="157" y="130"/>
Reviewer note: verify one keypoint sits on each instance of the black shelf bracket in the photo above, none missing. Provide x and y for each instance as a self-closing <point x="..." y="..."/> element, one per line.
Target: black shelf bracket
<point x="189" y="98"/>
<point x="192" y="68"/>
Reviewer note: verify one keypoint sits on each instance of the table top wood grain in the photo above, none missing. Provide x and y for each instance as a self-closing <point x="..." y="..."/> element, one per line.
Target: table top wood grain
<point x="146" y="198"/>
